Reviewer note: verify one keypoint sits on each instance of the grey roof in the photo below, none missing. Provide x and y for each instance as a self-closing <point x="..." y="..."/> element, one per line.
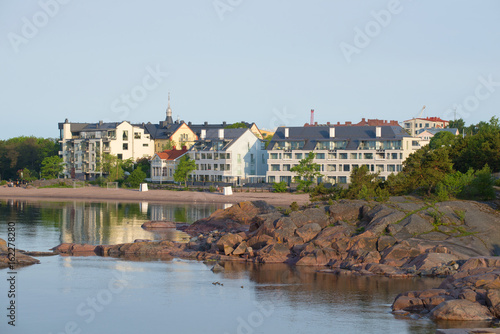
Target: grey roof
<point x="89" y="127"/>
<point x="156" y="131"/>
<point x="433" y="131"/>
<point x="212" y="140"/>
<point x="352" y="134"/>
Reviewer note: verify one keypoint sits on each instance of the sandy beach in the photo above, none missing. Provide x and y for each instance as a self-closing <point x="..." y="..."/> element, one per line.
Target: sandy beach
<point x="154" y="196"/>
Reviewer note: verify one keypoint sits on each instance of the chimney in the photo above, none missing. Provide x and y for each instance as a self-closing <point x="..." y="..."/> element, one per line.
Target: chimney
<point x="378" y="131"/>
<point x="100" y="123"/>
<point x="203" y="134"/>
<point x="221" y="133"/>
<point x="174" y="148"/>
<point x="206" y="123"/>
<point x="286" y="132"/>
<point x="184" y="148"/>
<point x="332" y="132"/>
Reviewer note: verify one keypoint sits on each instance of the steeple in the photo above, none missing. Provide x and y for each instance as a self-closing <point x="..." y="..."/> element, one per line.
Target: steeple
<point x="169" y="112"/>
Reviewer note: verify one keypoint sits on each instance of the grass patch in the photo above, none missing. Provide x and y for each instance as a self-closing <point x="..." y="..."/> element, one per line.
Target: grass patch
<point x="58" y="185"/>
<point x="460" y="215"/>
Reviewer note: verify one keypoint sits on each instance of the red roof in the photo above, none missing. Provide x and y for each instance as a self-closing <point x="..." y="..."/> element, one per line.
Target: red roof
<point x="431" y="119"/>
<point x="434" y="119"/>
<point x="171" y="154"/>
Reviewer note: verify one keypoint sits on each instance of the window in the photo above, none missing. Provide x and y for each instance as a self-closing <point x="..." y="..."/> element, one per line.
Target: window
<point x="197" y="156"/>
<point x="343" y="155"/>
<point x="119" y="156"/>
<point x="209" y="155"/>
<point x="379" y="168"/>
<point x="394" y="156"/>
<point x="391" y="168"/>
<point x="354" y="156"/>
<point x="216" y="156"/>
<point x="368" y="155"/>
<point x="331" y="168"/>
<point x="347" y="168"/>
<point x="203" y="156"/>
<point x="271" y="179"/>
<point x="228" y="156"/>
<point x="137" y="135"/>
<point x="320" y="156"/>
<point x="287" y="156"/>
<point x="125" y="135"/>
<point x="275" y="168"/>
<point x="298" y="156"/>
<point x="125" y="146"/>
<point x="145" y="145"/>
<point x="343" y="179"/>
<point x="286" y="167"/>
<point x="332" y="156"/>
<point x="274" y="155"/>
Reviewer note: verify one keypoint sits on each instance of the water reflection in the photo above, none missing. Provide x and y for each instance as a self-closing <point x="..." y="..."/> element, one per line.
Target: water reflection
<point x="96" y="223"/>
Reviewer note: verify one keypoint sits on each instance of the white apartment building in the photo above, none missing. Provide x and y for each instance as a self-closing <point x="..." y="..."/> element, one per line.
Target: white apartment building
<point x="83" y="144"/>
<point x="229" y="155"/>
<point x="338" y="150"/>
<point x="415" y="125"/>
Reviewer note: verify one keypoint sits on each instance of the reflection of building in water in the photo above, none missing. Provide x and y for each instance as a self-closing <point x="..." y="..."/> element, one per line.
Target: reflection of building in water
<point x="115" y="223"/>
<point x="182" y="214"/>
<point x="102" y="223"/>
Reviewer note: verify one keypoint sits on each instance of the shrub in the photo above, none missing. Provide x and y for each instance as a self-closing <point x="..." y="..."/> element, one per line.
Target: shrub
<point x="497" y="182"/>
<point x="382" y="195"/>
<point x="294" y="206"/>
<point x="481" y="187"/>
<point x="212" y="189"/>
<point x="321" y="193"/>
<point x="280" y="187"/>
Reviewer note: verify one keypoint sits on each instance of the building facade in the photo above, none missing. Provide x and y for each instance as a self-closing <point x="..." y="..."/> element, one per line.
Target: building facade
<point x="163" y="165"/>
<point x="83" y="144"/>
<point x="339" y="150"/>
<point x="234" y="156"/>
<point x="416" y="124"/>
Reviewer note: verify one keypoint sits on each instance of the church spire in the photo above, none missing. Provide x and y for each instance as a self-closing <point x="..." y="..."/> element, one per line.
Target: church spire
<point x="169" y="112"/>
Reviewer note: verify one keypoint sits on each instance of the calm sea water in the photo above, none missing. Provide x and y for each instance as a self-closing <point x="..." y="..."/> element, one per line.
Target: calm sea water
<point x="107" y="295"/>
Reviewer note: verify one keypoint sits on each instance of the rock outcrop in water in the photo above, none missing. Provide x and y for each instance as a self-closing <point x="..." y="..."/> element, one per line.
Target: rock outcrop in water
<point x="472" y="294"/>
<point x="20" y="258"/>
<point x="403" y="237"/>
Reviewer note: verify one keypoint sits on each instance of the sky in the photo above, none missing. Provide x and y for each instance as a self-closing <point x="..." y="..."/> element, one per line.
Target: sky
<point x="268" y="62"/>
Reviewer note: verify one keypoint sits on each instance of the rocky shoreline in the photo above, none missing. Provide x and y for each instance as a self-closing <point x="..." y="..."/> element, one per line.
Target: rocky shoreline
<point x="404" y="237"/>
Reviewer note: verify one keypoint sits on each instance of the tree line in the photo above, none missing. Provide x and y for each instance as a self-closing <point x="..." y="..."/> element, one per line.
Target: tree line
<point x="28" y="158"/>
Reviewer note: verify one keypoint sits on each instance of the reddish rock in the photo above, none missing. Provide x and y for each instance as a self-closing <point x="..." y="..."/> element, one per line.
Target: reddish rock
<point x="228" y="240"/>
<point x="348" y="211"/>
<point x="157" y="225"/>
<point x="275" y="253"/>
<point x="461" y="309"/>
<point x="259" y="241"/>
<point x="63" y="248"/>
<point x="428" y="261"/>
<point x="408" y="303"/>
<point x="493" y="301"/>
<point x="241" y="249"/>
<point x="308" y="231"/>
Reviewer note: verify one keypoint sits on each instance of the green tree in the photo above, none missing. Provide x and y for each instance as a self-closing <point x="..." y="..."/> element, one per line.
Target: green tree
<point x="145" y="165"/>
<point x="52" y="167"/>
<point x="169" y="145"/>
<point x="112" y="166"/>
<point x="238" y="125"/>
<point x="425" y="168"/>
<point x="307" y="172"/>
<point x="183" y="169"/>
<point x="443" y="138"/>
<point x="136" y="178"/>
<point x="458" y="124"/>
<point x="363" y="184"/>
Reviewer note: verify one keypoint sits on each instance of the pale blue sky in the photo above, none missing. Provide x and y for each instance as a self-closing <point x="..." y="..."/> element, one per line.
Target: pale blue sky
<point x="264" y="61"/>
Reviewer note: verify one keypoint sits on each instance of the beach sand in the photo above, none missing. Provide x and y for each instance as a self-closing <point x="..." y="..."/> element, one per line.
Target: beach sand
<point x="96" y="194"/>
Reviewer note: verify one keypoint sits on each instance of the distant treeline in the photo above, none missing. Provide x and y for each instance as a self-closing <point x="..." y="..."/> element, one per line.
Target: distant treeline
<point x="25" y="154"/>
